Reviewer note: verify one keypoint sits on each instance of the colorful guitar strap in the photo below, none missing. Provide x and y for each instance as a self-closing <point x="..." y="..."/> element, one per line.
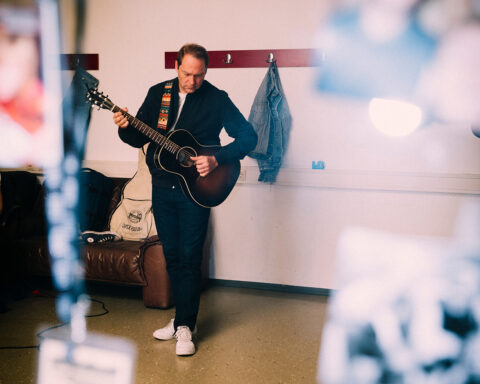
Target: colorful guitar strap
<point x="165" y="106"/>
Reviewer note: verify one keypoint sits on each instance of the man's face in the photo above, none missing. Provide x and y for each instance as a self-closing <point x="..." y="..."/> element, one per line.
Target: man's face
<point x="191" y="73"/>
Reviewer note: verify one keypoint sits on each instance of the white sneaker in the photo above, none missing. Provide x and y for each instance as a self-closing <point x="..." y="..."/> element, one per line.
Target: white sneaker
<point x="185" y="346"/>
<point x="168" y="332"/>
<point x="165" y="333"/>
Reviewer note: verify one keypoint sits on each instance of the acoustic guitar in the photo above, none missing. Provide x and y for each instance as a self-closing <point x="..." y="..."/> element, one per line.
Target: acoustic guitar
<point x="173" y="154"/>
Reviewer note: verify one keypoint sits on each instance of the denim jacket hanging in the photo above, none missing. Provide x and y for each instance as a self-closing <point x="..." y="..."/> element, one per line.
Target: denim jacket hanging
<point x="271" y="120"/>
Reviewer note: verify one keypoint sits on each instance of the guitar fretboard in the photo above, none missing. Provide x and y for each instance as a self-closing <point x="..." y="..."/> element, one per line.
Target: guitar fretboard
<point x="148" y="131"/>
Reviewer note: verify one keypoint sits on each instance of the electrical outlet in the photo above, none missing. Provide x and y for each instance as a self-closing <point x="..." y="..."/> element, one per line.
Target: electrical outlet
<point x="318" y="165"/>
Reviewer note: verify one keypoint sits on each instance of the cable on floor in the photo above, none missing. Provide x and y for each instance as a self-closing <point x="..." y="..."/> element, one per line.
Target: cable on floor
<point x="42" y="332"/>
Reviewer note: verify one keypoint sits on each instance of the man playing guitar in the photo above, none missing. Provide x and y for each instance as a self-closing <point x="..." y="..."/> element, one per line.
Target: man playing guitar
<point x="188" y="103"/>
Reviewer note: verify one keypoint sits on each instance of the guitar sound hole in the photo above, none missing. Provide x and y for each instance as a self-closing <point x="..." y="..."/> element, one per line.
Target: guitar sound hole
<point x="183" y="156"/>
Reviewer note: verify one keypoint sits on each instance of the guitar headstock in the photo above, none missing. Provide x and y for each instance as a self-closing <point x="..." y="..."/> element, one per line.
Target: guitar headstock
<point x="95" y="97"/>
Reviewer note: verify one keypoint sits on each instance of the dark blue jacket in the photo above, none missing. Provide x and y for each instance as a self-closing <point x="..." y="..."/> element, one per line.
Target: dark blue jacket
<point x="204" y="114"/>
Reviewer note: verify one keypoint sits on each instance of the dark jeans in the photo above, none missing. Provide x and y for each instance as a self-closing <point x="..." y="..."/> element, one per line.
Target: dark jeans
<point x="182" y="228"/>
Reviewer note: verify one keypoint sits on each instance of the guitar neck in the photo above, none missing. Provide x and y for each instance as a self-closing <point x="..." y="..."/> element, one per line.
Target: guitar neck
<point x="148" y="131"/>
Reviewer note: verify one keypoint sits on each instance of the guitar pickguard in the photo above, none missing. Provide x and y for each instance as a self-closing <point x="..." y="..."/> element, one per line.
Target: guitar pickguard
<point x="183" y="156"/>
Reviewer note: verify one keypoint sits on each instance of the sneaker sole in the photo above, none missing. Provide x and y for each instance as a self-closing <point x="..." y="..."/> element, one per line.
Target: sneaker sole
<point x="164" y="339"/>
<point x="194" y="333"/>
<point x="186" y="354"/>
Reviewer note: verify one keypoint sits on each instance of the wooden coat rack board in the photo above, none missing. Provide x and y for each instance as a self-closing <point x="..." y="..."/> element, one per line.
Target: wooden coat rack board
<point x="88" y="61"/>
<point x="253" y="58"/>
<point x="218" y="59"/>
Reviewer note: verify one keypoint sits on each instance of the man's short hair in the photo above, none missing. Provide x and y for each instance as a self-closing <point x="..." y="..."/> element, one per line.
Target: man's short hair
<point x="195" y="50"/>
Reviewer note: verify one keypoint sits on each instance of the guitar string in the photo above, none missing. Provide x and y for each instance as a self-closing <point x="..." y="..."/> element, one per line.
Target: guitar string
<point x="148" y="131"/>
<point x="157" y="137"/>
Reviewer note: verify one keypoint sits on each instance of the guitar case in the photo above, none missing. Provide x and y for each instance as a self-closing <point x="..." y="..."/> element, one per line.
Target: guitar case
<point x="133" y="217"/>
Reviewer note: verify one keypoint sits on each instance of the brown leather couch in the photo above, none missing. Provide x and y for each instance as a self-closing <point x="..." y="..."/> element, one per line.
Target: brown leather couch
<point x="136" y="263"/>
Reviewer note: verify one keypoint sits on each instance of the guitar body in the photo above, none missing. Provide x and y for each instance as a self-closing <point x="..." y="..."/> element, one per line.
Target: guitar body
<point x="207" y="191"/>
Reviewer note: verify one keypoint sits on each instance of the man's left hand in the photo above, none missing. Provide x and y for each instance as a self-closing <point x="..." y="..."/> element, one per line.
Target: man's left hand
<point x="205" y="164"/>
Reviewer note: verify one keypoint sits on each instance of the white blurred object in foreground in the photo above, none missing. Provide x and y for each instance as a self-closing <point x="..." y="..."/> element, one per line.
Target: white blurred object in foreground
<point x="452" y="85"/>
<point x="394" y="117"/>
<point x="407" y="310"/>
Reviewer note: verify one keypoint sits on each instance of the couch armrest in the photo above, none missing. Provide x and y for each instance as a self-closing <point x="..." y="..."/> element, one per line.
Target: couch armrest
<point x="158" y="292"/>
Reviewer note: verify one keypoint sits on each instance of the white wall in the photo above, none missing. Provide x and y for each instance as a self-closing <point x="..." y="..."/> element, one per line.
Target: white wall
<point x="285" y="233"/>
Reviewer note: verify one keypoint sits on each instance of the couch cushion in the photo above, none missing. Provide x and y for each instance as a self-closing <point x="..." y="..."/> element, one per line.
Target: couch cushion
<point x="116" y="261"/>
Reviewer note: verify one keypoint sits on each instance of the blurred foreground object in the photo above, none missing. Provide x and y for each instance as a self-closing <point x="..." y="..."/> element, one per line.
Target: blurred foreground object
<point x="99" y="359"/>
<point x="21" y="89"/>
<point x="373" y="49"/>
<point x="394" y="117"/>
<point x="422" y="52"/>
<point x="451" y="87"/>
<point x="407" y="309"/>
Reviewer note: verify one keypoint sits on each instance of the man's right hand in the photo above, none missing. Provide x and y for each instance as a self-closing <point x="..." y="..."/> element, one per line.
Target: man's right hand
<point x="119" y="119"/>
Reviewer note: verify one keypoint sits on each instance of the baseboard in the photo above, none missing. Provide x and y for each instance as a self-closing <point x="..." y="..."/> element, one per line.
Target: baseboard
<point x="270" y="287"/>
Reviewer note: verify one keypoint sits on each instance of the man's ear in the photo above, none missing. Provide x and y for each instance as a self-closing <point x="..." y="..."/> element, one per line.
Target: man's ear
<point x="176" y="66"/>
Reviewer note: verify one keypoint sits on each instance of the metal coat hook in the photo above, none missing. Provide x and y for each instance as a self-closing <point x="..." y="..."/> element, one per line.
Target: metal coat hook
<point x="271" y="58"/>
<point x="228" y="59"/>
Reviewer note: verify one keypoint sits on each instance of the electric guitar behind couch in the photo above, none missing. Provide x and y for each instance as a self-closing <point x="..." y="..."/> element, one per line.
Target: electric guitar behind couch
<point x="174" y="153"/>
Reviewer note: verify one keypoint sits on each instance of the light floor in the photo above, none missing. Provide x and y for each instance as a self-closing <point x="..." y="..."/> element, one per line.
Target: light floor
<point x="245" y="336"/>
